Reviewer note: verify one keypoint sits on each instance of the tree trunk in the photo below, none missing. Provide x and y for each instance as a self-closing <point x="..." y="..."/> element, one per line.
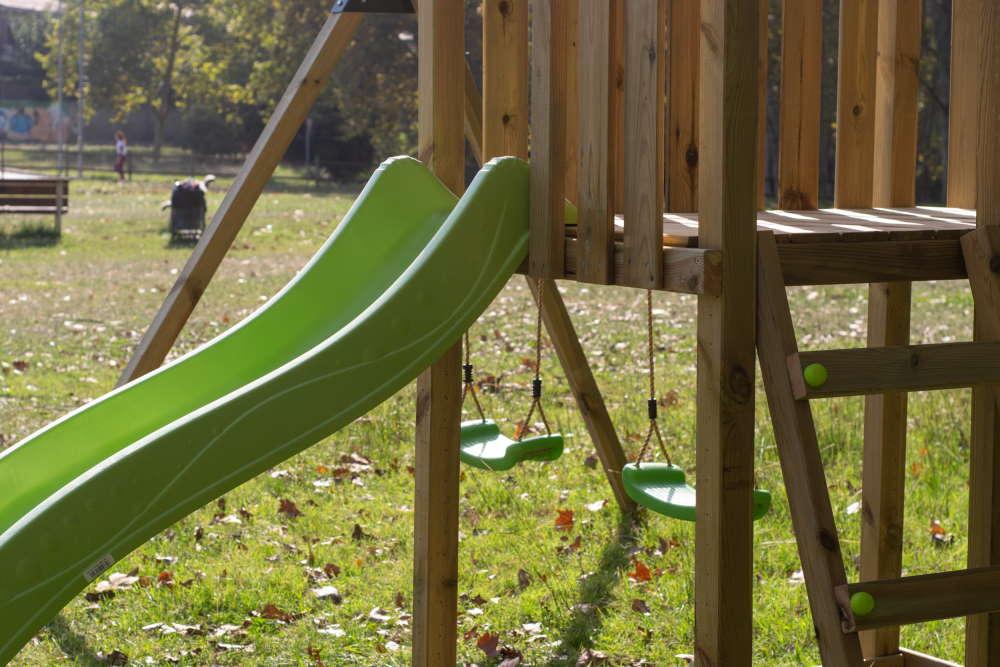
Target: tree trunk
<point x="166" y="101"/>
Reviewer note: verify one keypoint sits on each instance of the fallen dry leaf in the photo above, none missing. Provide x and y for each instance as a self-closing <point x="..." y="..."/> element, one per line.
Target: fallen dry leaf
<point x="564" y="520"/>
<point x="289" y="509"/>
<point x="641" y="572"/>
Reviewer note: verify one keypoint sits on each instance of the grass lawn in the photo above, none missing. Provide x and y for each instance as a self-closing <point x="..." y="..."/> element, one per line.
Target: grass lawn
<point x="237" y="581"/>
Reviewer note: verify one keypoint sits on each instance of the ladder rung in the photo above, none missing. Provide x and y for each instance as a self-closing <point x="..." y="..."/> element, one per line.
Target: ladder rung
<point x="875" y="370"/>
<point x="928" y="597"/>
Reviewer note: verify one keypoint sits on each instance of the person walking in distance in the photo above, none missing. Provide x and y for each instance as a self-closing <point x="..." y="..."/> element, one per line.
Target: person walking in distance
<point x="121" y="155"/>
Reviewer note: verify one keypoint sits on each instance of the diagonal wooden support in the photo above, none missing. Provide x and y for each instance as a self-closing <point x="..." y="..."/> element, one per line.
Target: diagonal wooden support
<point x="801" y="465"/>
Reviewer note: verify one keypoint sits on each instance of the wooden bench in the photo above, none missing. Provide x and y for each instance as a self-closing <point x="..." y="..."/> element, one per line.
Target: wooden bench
<point x="35" y="196"/>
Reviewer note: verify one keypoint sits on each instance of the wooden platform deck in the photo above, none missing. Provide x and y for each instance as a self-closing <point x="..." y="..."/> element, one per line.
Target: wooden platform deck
<point x="823" y="247"/>
<point x="836" y="225"/>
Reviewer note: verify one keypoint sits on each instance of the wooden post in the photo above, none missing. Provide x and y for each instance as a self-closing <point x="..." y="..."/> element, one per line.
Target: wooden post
<point x="798" y="130"/>
<point x="441" y="82"/>
<point x="963" y="108"/>
<point x="726" y="324"/>
<point x="260" y="164"/>
<point x="682" y="140"/>
<point x="645" y="23"/>
<point x="982" y="646"/>
<point x="548" y="127"/>
<point x="895" y="160"/>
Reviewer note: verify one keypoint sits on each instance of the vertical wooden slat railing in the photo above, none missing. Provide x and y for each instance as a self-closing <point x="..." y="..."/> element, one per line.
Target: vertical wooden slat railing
<point x="682" y="101"/>
<point x="895" y="160"/>
<point x="548" y="122"/>
<point x="645" y="75"/>
<point x="856" y="103"/>
<point x="505" y="78"/>
<point x="763" y="52"/>
<point x="616" y="113"/>
<point x="799" y="104"/>
<point x="963" y="107"/>
<point x="572" y="26"/>
<point x="595" y="220"/>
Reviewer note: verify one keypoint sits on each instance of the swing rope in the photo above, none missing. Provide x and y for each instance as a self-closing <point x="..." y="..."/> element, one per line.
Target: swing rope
<point x="470" y="386"/>
<point x="536" y="385"/>
<point x="652" y="404"/>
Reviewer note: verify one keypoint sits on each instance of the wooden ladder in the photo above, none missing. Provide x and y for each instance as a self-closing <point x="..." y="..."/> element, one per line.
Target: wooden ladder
<point x="863" y="372"/>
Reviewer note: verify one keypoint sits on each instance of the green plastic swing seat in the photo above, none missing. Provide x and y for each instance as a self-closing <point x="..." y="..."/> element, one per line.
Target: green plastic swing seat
<point x="662" y="487"/>
<point x="484" y="447"/>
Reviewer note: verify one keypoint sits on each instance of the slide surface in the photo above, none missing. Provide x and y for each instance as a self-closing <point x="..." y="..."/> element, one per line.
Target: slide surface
<point x="402" y="277"/>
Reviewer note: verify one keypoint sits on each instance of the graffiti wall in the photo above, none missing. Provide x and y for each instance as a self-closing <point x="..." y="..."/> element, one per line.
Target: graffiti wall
<point x="32" y="122"/>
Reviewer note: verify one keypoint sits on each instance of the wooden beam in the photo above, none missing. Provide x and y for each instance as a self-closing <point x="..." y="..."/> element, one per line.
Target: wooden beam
<point x="869" y="370"/>
<point x="595" y="219"/>
<point x="726" y="331"/>
<point x="682" y="133"/>
<point x="284" y="124"/>
<point x="884" y="463"/>
<point x="548" y="128"/>
<point x="801" y="465"/>
<point x="963" y="107"/>
<point x="856" y="103"/>
<point x="685" y="270"/>
<point x="644" y="140"/>
<point x="928" y="597"/>
<point x="441" y="86"/>
<point x="871" y="261"/>
<point x="505" y="78"/>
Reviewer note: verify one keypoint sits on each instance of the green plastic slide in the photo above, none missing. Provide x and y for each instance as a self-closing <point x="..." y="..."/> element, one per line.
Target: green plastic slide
<point x="406" y="272"/>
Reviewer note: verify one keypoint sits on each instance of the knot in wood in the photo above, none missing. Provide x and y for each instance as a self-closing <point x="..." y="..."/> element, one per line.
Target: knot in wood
<point x="857" y="110"/>
<point x="504" y="8"/>
<point x="691" y="157"/>
<point x="740" y="384"/>
<point x="829" y="541"/>
<point x="995" y="263"/>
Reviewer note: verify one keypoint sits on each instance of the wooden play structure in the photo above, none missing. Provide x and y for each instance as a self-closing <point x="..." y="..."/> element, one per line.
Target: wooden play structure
<point x="647" y="115"/>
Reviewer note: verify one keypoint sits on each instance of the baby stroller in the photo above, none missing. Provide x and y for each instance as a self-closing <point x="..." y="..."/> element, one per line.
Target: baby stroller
<point x="187" y="208"/>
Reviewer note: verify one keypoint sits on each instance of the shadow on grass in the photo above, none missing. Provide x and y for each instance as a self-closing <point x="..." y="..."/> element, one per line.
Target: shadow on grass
<point x="595" y="591"/>
<point x="73" y="645"/>
<point x="36" y="235"/>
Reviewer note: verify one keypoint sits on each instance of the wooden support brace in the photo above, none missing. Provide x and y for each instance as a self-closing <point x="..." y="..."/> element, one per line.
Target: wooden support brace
<point x="801" y="465"/>
<point x="875" y="370"/>
<point x="923" y="598"/>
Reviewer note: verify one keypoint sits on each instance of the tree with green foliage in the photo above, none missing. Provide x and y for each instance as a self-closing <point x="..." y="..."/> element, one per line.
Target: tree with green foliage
<point x="144" y="53"/>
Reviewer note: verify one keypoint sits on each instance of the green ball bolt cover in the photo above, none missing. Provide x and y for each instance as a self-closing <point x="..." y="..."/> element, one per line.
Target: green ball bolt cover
<point x="862" y="603"/>
<point x="815" y="375"/>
